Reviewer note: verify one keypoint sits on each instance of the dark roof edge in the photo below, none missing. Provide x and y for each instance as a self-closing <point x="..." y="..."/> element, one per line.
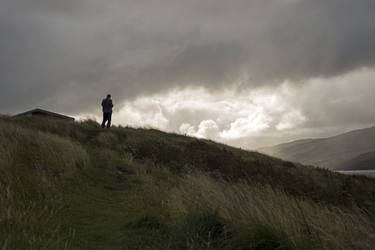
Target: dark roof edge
<point x="45" y="112"/>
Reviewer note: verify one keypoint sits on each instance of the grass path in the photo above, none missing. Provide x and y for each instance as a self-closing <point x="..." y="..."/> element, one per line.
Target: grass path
<point x="106" y="209"/>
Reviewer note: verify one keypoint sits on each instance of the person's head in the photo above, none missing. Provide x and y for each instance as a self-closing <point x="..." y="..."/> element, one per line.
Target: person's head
<point x="108" y="96"/>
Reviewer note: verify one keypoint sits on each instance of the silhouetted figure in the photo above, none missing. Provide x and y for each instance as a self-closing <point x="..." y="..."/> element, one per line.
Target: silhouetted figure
<point x="107" y="111"/>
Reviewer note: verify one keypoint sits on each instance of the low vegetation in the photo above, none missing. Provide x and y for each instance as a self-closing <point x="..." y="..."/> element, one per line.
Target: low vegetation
<point x="77" y="186"/>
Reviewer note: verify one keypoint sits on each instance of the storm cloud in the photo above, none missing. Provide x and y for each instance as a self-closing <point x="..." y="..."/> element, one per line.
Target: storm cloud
<point x="66" y="54"/>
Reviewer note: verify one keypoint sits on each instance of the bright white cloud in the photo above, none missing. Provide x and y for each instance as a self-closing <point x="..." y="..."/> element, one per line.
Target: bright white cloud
<point x="252" y="118"/>
<point x="224" y="116"/>
<point x="247" y="126"/>
<point x="143" y="112"/>
<point x="207" y="129"/>
<point x="187" y="129"/>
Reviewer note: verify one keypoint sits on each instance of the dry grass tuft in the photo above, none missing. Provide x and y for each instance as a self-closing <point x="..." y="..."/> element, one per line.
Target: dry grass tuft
<point x="32" y="164"/>
<point x="329" y="227"/>
<point x="40" y="152"/>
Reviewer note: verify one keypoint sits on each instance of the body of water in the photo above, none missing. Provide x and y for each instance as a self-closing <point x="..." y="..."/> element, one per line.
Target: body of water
<point x="370" y="173"/>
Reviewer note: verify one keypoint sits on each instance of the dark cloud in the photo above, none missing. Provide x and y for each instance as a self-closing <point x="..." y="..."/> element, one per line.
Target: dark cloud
<point x="67" y="54"/>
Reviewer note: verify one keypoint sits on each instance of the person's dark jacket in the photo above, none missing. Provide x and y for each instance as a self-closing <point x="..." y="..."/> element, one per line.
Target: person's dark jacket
<point x="107" y="105"/>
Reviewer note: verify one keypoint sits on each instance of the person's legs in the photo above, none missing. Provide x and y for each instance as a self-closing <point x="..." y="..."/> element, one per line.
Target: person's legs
<point x="109" y="118"/>
<point x="104" y="120"/>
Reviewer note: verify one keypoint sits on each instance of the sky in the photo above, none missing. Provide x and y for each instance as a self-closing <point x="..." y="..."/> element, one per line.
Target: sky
<point x="248" y="73"/>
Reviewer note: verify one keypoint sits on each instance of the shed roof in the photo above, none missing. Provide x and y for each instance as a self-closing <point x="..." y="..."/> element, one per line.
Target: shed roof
<point x="39" y="111"/>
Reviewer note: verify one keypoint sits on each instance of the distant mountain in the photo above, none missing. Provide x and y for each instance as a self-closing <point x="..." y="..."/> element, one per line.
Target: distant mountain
<point x="362" y="162"/>
<point x="354" y="150"/>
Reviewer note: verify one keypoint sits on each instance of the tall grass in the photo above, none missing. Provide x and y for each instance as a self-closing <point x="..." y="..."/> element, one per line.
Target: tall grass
<point x="33" y="165"/>
<point x="22" y="147"/>
<point x="76" y="186"/>
<point x="306" y="224"/>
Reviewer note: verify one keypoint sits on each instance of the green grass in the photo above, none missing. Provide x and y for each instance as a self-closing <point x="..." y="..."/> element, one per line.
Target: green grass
<point x="77" y="186"/>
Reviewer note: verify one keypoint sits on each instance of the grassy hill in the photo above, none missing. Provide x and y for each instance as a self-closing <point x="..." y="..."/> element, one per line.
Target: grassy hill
<point x="338" y="152"/>
<point x="77" y="186"/>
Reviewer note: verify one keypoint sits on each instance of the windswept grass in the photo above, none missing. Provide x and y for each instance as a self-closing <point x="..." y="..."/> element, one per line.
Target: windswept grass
<point x="304" y="223"/>
<point x="33" y="165"/>
<point x="77" y="186"/>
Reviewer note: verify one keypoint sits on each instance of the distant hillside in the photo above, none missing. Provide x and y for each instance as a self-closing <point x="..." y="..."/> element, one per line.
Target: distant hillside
<point x="73" y="185"/>
<point x="338" y="152"/>
<point x="364" y="161"/>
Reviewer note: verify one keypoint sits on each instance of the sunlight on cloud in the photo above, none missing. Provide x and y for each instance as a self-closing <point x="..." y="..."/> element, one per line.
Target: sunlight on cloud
<point x="252" y="118"/>
<point x="207" y="129"/>
<point x="222" y="116"/>
<point x="144" y="112"/>
<point x="248" y="126"/>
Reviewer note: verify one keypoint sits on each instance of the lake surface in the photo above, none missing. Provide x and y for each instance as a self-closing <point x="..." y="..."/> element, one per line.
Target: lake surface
<point x="370" y="173"/>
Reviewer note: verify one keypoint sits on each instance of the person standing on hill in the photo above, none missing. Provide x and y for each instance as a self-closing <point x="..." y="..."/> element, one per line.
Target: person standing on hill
<point x="107" y="106"/>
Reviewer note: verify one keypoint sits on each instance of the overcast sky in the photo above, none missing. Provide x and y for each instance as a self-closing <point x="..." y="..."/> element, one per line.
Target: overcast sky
<point x="245" y="72"/>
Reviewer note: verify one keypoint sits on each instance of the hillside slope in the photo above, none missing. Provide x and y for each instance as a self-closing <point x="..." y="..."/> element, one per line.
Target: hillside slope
<point x="333" y="152"/>
<point x="77" y="186"/>
<point x="364" y="161"/>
